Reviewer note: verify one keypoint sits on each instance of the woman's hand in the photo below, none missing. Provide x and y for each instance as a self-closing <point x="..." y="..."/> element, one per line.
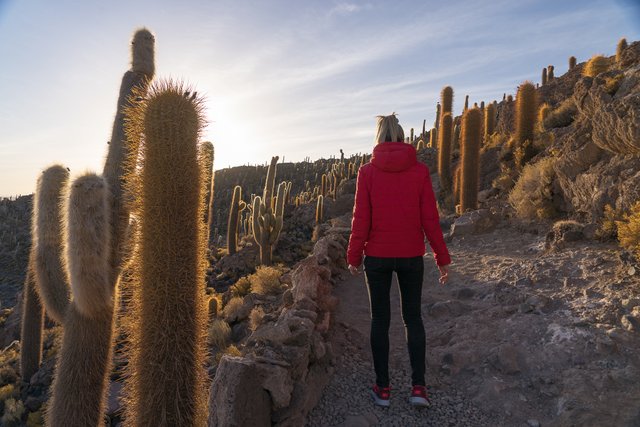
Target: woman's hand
<point x="353" y="270"/>
<point x="444" y="274"/>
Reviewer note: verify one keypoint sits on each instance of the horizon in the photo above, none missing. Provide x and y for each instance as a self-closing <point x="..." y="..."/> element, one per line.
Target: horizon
<point x="290" y="79"/>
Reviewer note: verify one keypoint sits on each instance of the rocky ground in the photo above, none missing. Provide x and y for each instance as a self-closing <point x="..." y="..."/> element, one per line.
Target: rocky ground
<point x="520" y="336"/>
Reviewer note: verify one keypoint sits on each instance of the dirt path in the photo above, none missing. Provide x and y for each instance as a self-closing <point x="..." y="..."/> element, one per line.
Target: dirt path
<point x="519" y="337"/>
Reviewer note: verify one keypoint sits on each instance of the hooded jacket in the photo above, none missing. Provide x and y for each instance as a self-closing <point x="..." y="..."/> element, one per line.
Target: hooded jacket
<point x="395" y="208"/>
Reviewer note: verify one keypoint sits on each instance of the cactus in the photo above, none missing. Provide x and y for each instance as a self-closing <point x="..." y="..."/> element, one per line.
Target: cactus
<point x="433" y="138"/>
<point x="31" y="325"/>
<point x="424" y="128"/>
<point x="319" y="209"/>
<point x="550" y="75"/>
<point x="543" y="112"/>
<point x="620" y="47"/>
<point x="237" y="206"/>
<point x="446" y="97"/>
<point x="489" y="121"/>
<point x="411" y="137"/>
<point x="51" y="277"/>
<point x="269" y="184"/>
<point x="543" y="81"/>
<point x="267" y="225"/>
<point x="136" y="80"/>
<point x="572" y="62"/>
<point x="470" y="159"/>
<point x="455" y="141"/>
<point x="436" y="123"/>
<point x="213" y="308"/>
<point x="456" y="184"/>
<point x="466" y="103"/>
<point x="596" y="65"/>
<point x="79" y="388"/>
<point x="206" y="161"/>
<point x="167" y="344"/>
<point x="526" y="109"/>
<point x="444" y="151"/>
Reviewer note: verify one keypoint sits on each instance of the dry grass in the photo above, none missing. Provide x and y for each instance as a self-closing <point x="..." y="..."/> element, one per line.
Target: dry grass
<point x="608" y="228"/>
<point x="532" y="197"/>
<point x="266" y="280"/>
<point x="7" y="391"/>
<point x="231" y="350"/>
<point x="256" y="318"/>
<point x="629" y="230"/>
<point x="232" y="311"/>
<point x="241" y="288"/>
<point x="596" y="65"/>
<point x="561" y="116"/>
<point x="612" y="84"/>
<point x="219" y="334"/>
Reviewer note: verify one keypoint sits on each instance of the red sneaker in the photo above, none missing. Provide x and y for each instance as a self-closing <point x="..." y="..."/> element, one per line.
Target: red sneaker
<point x="381" y="395"/>
<point x="419" y="396"/>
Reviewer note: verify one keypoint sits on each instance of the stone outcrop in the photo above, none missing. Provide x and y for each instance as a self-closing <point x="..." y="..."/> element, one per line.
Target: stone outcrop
<point x="287" y="362"/>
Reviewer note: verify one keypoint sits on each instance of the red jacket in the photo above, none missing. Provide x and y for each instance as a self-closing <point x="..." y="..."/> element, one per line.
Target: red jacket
<point x="395" y="208"/>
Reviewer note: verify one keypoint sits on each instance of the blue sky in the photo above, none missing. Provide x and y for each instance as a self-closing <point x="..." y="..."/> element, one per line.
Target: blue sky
<point x="288" y="78"/>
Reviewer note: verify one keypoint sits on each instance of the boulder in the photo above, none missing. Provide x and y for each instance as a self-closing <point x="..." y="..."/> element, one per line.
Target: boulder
<point x="474" y="222"/>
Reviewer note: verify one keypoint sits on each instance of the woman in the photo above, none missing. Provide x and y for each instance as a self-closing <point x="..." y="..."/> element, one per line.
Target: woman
<point x="394" y="209"/>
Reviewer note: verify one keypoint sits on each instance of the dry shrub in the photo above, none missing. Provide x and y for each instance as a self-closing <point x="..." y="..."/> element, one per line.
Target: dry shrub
<point x="608" y="228"/>
<point x="596" y="65"/>
<point x="561" y="116"/>
<point x="266" y="280"/>
<point x="231" y="350"/>
<point x="494" y="140"/>
<point x="241" y="288"/>
<point x="629" y="230"/>
<point x="35" y="419"/>
<point x="219" y="334"/>
<point x="532" y="196"/>
<point x="233" y="310"/>
<point x="256" y="318"/>
<point x="612" y="84"/>
<point x="13" y="411"/>
<point x="7" y="391"/>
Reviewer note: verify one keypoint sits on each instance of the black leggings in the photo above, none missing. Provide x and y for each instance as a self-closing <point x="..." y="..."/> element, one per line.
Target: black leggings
<point x="379" y="273"/>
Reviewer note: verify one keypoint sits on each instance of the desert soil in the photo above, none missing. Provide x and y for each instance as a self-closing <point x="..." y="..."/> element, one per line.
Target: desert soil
<point x="520" y="336"/>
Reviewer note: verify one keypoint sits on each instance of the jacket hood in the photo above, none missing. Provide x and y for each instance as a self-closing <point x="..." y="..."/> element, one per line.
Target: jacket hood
<point x="393" y="156"/>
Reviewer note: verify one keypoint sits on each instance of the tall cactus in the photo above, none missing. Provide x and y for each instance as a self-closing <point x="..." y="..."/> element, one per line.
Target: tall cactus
<point x="446" y="98"/>
<point x="433" y="138"/>
<point x="444" y="151"/>
<point x="466" y="103"/>
<point x="51" y="277"/>
<point x="206" y="161"/>
<point x="79" y="389"/>
<point x="31" y="325"/>
<point x="319" y="209"/>
<point x="526" y="115"/>
<point x="167" y="343"/>
<point x="620" y="47"/>
<point x="270" y="182"/>
<point x="134" y="80"/>
<point x="489" y="121"/>
<point x="267" y="224"/>
<point x="237" y="206"/>
<point x="470" y="159"/>
<point x="436" y="123"/>
<point x="550" y="75"/>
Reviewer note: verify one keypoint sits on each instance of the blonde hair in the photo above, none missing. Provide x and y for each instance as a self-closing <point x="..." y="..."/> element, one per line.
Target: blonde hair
<point x="388" y="129"/>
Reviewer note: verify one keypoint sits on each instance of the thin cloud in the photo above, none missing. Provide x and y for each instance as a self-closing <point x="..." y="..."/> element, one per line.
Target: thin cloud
<point x="348" y="8"/>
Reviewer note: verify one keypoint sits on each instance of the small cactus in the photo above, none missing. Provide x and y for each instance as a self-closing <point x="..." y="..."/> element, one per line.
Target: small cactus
<point x="489" y="121"/>
<point x="319" y="209"/>
<point x="572" y="62"/>
<point x="236" y="208"/>
<point x="550" y="75"/>
<point x="620" y="47"/>
<point x="444" y="151"/>
<point x="31" y="326"/>
<point x="544" y="76"/>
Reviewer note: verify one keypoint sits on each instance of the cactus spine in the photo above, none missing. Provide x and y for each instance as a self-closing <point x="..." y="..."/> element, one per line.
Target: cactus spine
<point x="470" y="159"/>
<point x="319" y="209"/>
<point x="47" y="234"/>
<point x="444" y="151"/>
<point x="79" y="388"/>
<point x="237" y="206"/>
<point x="31" y="326"/>
<point x="167" y="343"/>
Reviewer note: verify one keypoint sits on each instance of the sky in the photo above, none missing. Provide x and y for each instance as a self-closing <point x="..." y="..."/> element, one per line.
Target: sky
<point x="294" y="78"/>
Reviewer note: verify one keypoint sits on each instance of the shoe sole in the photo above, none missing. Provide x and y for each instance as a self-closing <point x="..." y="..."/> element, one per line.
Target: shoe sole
<point x="377" y="400"/>
<point x="419" y="401"/>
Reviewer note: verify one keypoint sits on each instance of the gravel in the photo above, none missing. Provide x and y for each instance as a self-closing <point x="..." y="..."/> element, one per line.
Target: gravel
<point x="346" y="401"/>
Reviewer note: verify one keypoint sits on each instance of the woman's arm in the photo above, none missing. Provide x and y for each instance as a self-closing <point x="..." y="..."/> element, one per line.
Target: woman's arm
<point x="361" y="221"/>
<point x="431" y="223"/>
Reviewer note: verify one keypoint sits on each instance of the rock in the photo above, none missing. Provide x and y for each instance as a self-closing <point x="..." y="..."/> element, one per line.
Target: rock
<point x="506" y="359"/>
<point x="277" y="381"/>
<point x="630" y="323"/>
<point x="465" y="293"/>
<point x="523" y="281"/>
<point x="447" y="308"/>
<point x="356" y="421"/>
<point x="474" y="222"/>
<point x="236" y="387"/>
<point x="533" y="423"/>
